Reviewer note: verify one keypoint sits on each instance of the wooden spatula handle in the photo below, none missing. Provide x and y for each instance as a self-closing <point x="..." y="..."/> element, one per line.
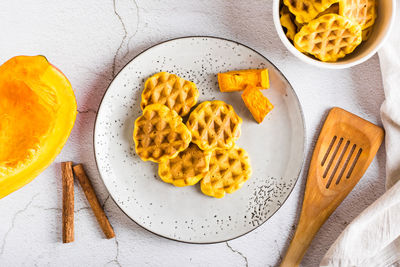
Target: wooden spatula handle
<point x="303" y="236"/>
<point x="345" y="148"/>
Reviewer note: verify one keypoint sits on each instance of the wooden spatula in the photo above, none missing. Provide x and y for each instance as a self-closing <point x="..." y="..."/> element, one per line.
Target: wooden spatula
<point x="345" y="148"/>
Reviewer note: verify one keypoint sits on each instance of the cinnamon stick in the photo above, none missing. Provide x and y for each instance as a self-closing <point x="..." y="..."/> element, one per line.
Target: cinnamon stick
<point x="93" y="201"/>
<point x="68" y="202"/>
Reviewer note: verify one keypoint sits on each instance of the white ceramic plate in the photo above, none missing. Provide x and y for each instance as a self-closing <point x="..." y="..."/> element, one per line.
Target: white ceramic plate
<point x="276" y="147"/>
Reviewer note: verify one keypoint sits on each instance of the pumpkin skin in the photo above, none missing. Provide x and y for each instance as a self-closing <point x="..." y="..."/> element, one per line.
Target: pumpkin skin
<point x="37" y="113"/>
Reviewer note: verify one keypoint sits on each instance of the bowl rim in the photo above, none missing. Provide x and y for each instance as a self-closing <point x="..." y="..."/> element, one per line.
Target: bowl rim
<point x="328" y="65"/>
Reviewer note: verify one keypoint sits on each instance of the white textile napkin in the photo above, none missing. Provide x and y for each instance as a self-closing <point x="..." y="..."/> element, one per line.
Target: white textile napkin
<point x="373" y="238"/>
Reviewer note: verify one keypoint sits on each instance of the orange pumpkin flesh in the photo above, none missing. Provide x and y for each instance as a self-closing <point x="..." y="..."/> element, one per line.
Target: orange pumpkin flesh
<point x="258" y="105"/>
<point x="238" y="80"/>
<point x="37" y="113"/>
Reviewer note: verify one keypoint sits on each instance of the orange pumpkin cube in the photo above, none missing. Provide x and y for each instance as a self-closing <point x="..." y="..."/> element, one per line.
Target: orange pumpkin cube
<point x="257" y="103"/>
<point x="238" y="80"/>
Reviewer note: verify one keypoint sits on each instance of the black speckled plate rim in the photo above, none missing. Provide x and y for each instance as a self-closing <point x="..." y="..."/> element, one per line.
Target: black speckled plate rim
<point x="208" y="37"/>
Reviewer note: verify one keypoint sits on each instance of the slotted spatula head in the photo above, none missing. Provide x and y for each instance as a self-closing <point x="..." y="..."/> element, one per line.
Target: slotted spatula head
<point x="345" y="148"/>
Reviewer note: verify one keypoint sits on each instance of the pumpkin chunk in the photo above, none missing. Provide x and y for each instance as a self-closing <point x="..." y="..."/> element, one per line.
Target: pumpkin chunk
<point x="238" y="80"/>
<point x="257" y="103"/>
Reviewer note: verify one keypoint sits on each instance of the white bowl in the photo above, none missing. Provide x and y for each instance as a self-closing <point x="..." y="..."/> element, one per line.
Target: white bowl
<point x="383" y="24"/>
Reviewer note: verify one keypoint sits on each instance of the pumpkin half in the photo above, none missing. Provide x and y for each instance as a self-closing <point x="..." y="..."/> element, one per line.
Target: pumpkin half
<point x="37" y="113"/>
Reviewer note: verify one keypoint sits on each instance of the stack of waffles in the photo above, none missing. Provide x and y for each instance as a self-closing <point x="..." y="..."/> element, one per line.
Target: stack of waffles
<point x="202" y="150"/>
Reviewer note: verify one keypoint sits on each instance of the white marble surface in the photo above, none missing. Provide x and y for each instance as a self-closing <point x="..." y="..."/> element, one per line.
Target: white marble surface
<point x="90" y="41"/>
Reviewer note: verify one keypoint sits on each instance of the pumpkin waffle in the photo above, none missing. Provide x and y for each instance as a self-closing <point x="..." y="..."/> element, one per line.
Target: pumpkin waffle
<point x="287" y="22"/>
<point x="187" y="168"/>
<point x="168" y="89"/>
<point x="307" y="10"/>
<point x="214" y="125"/>
<point x="333" y="9"/>
<point x="329" y="37"/>
<point x="229" y="170"/>
<point x="366" y="33"/>
<point x="362" y="12"/>
<point x="298" y="25"/>
<point x="159" y="134"/>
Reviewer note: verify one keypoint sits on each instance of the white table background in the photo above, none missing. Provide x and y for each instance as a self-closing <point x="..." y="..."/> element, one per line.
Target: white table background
<point x="90" y="41"/>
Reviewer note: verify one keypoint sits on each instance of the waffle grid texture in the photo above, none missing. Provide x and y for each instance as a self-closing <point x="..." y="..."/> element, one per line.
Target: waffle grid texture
<point x="168" y="89"/>
<point x="329" y="37"/>
<point x="306" y="10"/>
<point x="214" y="125"/>
<point x="159" y="134"/>
<point x="362" y="12"/>
<point x="188" y="168"/>
<point x="228" y="171"/>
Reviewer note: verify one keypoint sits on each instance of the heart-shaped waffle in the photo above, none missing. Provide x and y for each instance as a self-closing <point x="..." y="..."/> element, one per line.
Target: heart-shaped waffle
<point x="159" y="134"/>
<point x="362" y="12"/>
<point x="168" y="89"/>
<point x="306" y="10"/>
<point x="229" y="170"/>
<point x="214" y="125"/>
<point x="187" y="168"/>
<point x="329" y="37"/>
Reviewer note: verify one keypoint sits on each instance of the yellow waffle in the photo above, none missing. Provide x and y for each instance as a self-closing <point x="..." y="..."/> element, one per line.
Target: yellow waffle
<point x="366" y="33"/>
<point x="333" y="9"/>
<point x="298" y="25"/>
<point x="187" y="168"/>
<point x="329" y="37"/>
<point x="229" y="170"/>
<point x="306" y="10"/>
<point x="287" y="23"/>
<point x="214" y="125"/>
<point x="362" y="12"/>
<point x="170" y="90"/>
<point x="159" y="134"/>
<point x="285" y="10"/>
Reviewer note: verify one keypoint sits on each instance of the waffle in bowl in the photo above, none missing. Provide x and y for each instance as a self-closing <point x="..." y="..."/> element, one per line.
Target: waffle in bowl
<point x="287" y="22"/>
<point x="214" y="125"/>
<point x="306" y="10"/>
<point x="229" y="170"/>
<point x="362" y="12"/>
<point x="168" y="89"/>
<point x="366" y="33"/>
<point x="187" y="168"/>
<point x="333" y="9"/>
<point x="329" y="37"/>
<point x="160" y="134"/>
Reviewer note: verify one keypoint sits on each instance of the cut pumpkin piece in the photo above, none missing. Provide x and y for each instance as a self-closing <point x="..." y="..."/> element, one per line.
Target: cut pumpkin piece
<point x="257" y="103"/>
<point x="37" y="113"/>
<point x="238" y="80"/>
